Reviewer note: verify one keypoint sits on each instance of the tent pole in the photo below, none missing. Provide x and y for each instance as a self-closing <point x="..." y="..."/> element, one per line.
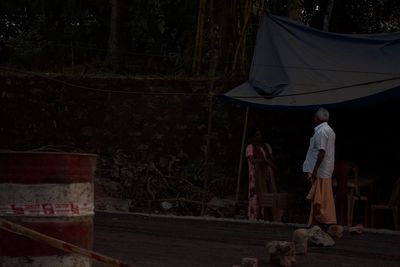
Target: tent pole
<point x="207" y="152"/>
<point x="209" y="133"/>
<point x="241" y="154"/>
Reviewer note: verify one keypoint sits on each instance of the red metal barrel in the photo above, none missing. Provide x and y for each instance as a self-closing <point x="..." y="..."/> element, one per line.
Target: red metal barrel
<point x="51" y="193"/>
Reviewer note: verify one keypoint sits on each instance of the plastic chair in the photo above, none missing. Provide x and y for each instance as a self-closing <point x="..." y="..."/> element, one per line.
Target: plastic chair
<point x="277" y="202"/>
<point x="346" y="174"/>
<point x="392" y="205"/>
<point x="340" y="177"/>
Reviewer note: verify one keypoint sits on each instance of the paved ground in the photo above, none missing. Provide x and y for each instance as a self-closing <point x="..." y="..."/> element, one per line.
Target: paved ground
<point x="170" y="242"/>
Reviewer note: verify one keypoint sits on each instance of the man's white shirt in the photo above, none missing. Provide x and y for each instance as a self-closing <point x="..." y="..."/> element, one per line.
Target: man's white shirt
<point x="323" y="138"/>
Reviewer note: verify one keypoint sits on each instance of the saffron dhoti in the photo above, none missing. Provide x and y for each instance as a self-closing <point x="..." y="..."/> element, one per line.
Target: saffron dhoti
<point x="322" y="202"/>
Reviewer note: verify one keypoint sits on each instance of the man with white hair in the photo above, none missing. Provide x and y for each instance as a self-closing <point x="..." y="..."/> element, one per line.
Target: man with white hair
<point x="319" y="165"/>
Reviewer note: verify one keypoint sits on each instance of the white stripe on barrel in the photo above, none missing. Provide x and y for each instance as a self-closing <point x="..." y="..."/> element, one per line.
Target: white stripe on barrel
<point x="46" y="199"/>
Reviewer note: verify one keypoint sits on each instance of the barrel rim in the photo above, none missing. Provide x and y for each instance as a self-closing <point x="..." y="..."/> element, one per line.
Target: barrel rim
<point x="3" y="152"/>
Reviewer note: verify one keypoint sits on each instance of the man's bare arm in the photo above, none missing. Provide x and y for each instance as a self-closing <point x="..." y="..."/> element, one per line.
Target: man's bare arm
<point x="321" y="155"/>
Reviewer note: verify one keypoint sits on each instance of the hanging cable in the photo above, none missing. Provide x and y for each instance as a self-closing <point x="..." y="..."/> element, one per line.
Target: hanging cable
<point x="100" y="90"/>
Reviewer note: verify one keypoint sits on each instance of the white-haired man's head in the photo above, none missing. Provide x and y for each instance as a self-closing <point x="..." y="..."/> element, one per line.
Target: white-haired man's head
<point x="322" y="115"/>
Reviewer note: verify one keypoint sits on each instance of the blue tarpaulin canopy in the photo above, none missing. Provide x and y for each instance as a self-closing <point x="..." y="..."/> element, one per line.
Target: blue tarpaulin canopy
<point x="295" y="66"/>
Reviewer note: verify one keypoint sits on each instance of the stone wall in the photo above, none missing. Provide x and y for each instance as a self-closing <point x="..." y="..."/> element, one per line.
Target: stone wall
<point x="147" y="143"/>
<point x="152" y="146"/>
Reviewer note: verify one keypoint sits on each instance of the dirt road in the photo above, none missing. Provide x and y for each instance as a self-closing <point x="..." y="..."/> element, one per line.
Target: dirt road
<point x="171" y="242"/>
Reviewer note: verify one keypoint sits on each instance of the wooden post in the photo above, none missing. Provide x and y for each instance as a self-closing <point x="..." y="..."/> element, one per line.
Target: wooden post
<point x="241" y="154"/>
<point x="209" y="132"/>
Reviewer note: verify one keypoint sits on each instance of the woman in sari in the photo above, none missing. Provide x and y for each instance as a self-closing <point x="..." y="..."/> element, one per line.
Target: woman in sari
<point x="261" y="174"/>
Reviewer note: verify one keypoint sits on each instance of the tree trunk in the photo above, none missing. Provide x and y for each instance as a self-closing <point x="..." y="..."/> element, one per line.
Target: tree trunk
<point x="339" y="20"/>
<point x="328" y="14"/>
<point x="242" y="39"/>
<point x="228" y="12"/>
<point x="294" y="9"/>
<point x="272" y="7"/>
<point x="199" y="37"/>
<point x="115" y="38"/>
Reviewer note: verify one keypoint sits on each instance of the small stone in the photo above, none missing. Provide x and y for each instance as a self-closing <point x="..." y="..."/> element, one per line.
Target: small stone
<point x="166" y="205"/>
<point x="282" y="253"/>
<point x="335" y="231"/>
<point x="358" y="229"/>
<point x="318" y="237"/>
<point x="300" y="240"/>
